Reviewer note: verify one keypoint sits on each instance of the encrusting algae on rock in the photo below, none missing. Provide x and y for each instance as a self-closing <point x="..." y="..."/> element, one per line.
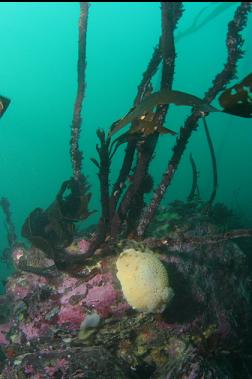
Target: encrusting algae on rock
<point x="144" y="281"/>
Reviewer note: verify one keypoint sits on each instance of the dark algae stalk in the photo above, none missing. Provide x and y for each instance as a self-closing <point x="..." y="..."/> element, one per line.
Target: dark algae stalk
<point x="152" y="290"/>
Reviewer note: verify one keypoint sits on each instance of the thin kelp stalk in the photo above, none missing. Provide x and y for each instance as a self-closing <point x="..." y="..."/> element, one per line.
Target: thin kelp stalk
<point x="76" y="154"/>
<point x="214" y="165"/>
<point x="131" y="146"/>
<point x="194" y="189"/>
<point x="188" y="243"/>
<point x="170" y="13"/>
<point x="11" y="233"/>
<point x="234" y="42"/>
<point x="148" y="74"/>
<point x="103" y="174"/>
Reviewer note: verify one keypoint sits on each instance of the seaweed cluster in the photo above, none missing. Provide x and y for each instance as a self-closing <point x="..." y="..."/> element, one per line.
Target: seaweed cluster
<point x="124" y="212"/>
<point x="69" y="313"/>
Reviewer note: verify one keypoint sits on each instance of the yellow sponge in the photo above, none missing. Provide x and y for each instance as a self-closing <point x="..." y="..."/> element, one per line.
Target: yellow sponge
<point x="144" y="281"/>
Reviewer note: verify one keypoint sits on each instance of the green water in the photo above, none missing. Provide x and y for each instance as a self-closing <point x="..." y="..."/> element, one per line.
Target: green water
<point x="38" y="73"/>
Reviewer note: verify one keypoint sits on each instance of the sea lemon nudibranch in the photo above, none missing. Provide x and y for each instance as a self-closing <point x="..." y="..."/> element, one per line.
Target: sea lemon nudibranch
<point x="144" y="281"/>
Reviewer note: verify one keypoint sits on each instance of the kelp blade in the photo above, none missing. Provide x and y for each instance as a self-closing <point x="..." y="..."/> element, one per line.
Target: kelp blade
<point x="162" y="97"/>
<point x="4" y="103"/>
<point x="237" y="100"/>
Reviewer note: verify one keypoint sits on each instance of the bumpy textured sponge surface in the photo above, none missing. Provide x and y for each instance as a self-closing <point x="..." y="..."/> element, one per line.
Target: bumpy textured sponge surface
<point x="144" y="281"/>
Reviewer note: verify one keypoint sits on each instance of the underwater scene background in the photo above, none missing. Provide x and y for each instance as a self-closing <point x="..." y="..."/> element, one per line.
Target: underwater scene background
<point x="38" y="73"/>
<point x="39" y="53"/>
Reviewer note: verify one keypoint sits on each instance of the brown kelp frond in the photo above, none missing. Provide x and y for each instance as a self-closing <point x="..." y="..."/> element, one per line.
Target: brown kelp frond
<point x="162" y="97"/>
<point x="103" y="164"/>
<point x="170" y="14"/>
<point x="237" y="100"/>
<point x="52" y="230"/>
<point x="141" y="128"/>
<point x="73" y="199"/>
<point x="76" y="154"/>
<point x="234" y="44"/>
<point x="143" y="88"/>
<point x="124" y="138"/>
<point x="146" y="126"/>
<point x="4" y="103"/>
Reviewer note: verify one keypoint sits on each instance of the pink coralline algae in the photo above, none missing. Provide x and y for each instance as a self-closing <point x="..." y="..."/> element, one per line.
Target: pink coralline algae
<point x="83" y="245"/>
<point x="71" y="314"/>
<point x="67" y="282"/>
<point x="23" y="285"/>
<point x="73" y="293"/>
<point x="100" y="279"/>
<point x="60" y="365"/>
<point x="17" y="253"/>
<point x="33" y="330"/>
<point x="102" y="295"/>
<point x="29" y="369"/>
<point x="51" y="304"/>
<point x="79" y="290"/>
<point x="97" y="294"/>
<point x="101" y="298"/>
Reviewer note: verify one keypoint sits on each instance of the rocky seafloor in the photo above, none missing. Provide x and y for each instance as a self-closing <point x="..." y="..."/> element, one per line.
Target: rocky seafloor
<point x="202" y="333"/>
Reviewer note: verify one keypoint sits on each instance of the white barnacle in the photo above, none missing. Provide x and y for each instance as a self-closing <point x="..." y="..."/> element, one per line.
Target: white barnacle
<point x="162" y="189"/>
<point x="202" y="113"/>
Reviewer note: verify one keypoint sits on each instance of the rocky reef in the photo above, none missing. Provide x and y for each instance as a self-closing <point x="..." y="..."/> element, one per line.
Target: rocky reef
<point x="202" y="332"/>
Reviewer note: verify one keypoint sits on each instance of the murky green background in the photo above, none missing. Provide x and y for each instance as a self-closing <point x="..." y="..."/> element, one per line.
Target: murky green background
<point x="38" y="72"/>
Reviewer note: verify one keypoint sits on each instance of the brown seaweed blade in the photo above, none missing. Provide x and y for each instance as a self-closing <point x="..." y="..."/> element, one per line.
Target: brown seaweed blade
<point x="237" y="100"/>
<point x="146" y="126"/>
<point x="162" y="97"/>
<point x="140" y="129"/>
<point x="4" y="103"/>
